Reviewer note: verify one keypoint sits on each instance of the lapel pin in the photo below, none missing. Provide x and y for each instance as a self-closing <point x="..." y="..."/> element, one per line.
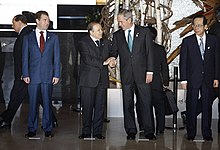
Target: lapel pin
<point x="137" y="34"/>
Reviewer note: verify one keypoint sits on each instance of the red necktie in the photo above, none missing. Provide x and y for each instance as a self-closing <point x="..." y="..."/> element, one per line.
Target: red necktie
<point x="42" y="41"/>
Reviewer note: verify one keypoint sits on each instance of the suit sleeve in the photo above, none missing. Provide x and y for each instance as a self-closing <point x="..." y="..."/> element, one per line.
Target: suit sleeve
<point x="217" y="55"/>
<point x="149" y="51"/>
<point x="114" y="47"/>
<point x="183" y="61"/>
<point x="25" y="58"/>
<point x="88" y="58"/>
<point x="164" y="69"/>
<point x="56" y="58"/>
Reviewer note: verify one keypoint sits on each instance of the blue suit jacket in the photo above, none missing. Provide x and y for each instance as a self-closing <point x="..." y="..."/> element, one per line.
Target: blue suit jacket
<point x="41" y="67"/>
<point x="192" y="68"/>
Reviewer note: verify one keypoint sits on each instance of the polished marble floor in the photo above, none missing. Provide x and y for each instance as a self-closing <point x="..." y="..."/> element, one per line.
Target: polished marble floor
<point x="66" y="136"/>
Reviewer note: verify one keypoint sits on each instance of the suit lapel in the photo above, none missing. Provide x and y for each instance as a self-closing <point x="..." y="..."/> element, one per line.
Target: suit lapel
<point x="48" y="36"/>
<point x="207" y="47"/>
<point x="34" y="39"/>
<point x="123" y="40"/>
<point x="94" y="48"/>
<point x="196" y="48"/>
<point x="135" y="36"/>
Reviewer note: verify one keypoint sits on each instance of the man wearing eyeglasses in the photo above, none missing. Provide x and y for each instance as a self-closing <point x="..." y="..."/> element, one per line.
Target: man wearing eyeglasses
<point x="199" y="74"/>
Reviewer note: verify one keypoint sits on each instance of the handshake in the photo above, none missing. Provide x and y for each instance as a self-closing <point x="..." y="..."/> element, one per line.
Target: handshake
<point x="111" y="61"/>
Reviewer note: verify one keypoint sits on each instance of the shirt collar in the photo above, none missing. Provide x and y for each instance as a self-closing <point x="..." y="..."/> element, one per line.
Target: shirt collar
<point x="131" y="28"/>
<point x="94" y="39"/>
<point x="203" y="37"/>
<point x="38" y="31"/>
<point x="22" y="29"/>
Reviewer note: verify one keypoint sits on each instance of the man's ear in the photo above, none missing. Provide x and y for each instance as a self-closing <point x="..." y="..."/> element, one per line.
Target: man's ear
<point x="129" y="20"/>
<point x="37" y="21"/>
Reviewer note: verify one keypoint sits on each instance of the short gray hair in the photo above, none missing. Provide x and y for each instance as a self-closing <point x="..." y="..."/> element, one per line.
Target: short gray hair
<point x="126" y="13"/>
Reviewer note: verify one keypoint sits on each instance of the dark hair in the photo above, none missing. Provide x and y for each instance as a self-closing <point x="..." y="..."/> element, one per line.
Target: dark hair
<point x="90" y="26"/>
<point x="153" y="32"/>
<point x="200" y="16"/>
<point x="39" y="13"/>
<point x="21" y="18"/>
<point x="126" y="13"/>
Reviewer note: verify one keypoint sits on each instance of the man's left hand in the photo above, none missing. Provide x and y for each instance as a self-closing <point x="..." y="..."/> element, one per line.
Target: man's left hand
<point x="149" y="78"/>
<point x="55" y="80"/>
<point x="215" y="83"/>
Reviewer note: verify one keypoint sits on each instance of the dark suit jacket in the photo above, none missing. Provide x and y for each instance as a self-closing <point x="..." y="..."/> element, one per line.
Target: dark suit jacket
<point x="41" y="68"/>
<point x="215" y="30"/>
<point x="192" y="68"/>
<point x="92" y="57"/>
<point x="161" y="71"/>
<point x="140" y="60"/>
<point x="18" y="52"/>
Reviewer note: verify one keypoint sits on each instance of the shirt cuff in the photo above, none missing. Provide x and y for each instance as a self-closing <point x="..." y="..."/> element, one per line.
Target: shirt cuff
<point x="150" y="73"/>
<point x="183" y="82"/>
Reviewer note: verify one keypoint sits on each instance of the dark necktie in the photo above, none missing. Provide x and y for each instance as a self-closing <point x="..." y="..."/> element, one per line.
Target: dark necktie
<point x="97" y="42"/>
<point x="201" y="47"/>
<point x="42" y="42"/>
<point x="130" y="42"/>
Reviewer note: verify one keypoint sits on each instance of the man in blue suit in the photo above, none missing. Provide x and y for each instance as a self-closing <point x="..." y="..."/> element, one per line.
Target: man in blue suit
<point x="199" y="73"/>
<point x="40" y="70"/>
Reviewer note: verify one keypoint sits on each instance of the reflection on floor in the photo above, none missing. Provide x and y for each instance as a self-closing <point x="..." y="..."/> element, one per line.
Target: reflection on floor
<point x="66" y="136"/>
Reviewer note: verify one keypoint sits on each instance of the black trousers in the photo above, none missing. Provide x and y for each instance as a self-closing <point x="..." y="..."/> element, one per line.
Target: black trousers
<point x="144" y="107"/>
<point x="18" y="93"/>
<point x="159" y="107"/>
<point x="215" y="95"/>
<point x="191" y="108"/>
<point x="93" y="105"/>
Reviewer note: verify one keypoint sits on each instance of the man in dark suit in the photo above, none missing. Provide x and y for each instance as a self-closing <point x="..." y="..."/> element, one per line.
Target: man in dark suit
<point x="2" y="64"/>
<point x="199" y="74"/>
<point x="160" y="79"/>
<point x="20" y="90"/>
<point x="133" y="44"/>
<point x="215" y="30"/>
<point x="94" y="60"/>
<point x="40" y="70"/>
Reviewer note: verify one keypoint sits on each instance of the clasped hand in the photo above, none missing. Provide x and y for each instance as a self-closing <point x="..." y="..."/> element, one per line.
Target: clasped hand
<point x="111" y="61"/>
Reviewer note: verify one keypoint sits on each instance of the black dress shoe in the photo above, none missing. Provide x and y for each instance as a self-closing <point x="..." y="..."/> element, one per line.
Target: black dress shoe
<point x="131" y="137"/>
<point x="190" y="138"/>
<point x="208" y="139"/>
<point x="30" y="134"/>
<point x="99" y="136"/>
<point x="150" y="136"/>
<point x="5" y="125"/>
<point x="82" y="136"/>
<point x="48" y="134"/>
<point x="106" y="120"/>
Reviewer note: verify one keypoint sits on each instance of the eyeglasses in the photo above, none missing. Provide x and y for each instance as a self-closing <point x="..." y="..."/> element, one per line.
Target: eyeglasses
<point x="198" y="26"/>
